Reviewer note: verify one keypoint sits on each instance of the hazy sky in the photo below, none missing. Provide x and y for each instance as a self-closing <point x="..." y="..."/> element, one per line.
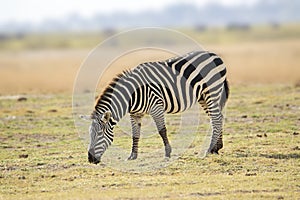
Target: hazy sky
<point x="39" y="10"/>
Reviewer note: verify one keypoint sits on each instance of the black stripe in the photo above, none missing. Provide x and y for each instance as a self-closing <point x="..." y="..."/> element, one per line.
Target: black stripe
<point x="120" y="90"/>
<point x="144" y="99"/>
<point x="216" y="77"/>
<point x="194" y="65"/>
<point x="165" y="78"/>
<point x="210" y="66"/>
<point x="119" y="103"/>
<point x="218" y="61"/>
<point x="205" y="70"/>
<point x="196" y="79"/>
<point x="179" y="65"/>
<point x="172" y="107"/>
<point x="212" y="54"/>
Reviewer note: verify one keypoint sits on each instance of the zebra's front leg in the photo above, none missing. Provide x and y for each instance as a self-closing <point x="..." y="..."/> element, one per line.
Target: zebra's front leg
<point x="168" y="148"/>
<point x="159" y="119"/>
<point x="136" y="129"/>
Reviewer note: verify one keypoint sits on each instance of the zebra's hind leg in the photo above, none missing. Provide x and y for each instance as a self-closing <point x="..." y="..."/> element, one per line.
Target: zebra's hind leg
<point x="216" y="119"/>
<point x="136" y="129"/>
<point x="217" y="125"/>
<point x="157" y="114"/>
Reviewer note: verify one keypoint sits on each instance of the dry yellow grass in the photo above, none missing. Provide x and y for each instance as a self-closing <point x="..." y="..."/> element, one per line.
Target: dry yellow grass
<point x="49" y="71"/>
<point x="39" y="71"/>
<point x="263" y="62"/>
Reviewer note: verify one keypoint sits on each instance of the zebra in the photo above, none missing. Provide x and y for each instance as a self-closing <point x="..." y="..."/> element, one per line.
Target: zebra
<point x="159" y="88"/>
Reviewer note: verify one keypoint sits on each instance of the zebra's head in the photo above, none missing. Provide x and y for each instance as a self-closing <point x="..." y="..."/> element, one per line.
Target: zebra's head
<point x="101" y="135"/>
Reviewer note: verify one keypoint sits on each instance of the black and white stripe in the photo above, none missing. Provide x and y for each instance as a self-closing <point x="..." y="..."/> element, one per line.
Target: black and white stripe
<point x="156" y="88"/>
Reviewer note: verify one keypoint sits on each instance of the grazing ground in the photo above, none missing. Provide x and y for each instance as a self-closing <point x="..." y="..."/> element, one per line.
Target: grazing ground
<point x="42" y="156"/>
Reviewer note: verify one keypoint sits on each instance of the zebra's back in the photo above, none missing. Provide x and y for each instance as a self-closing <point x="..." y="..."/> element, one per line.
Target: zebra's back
<point x="180" y="81"/>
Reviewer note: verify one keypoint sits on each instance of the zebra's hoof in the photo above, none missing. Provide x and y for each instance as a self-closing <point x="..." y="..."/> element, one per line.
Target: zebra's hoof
<point x="213" y="151"/>
<point x="167" y="159"/>
<point x="132" y="156"/>
<point x="168" y="151"/>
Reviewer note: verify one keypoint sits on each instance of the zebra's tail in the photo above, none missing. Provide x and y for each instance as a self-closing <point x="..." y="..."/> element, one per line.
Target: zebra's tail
<point x="225" y="94"/>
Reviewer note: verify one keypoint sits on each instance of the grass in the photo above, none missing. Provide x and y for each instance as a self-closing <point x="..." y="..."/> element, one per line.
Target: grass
<point x="42" y="156"/>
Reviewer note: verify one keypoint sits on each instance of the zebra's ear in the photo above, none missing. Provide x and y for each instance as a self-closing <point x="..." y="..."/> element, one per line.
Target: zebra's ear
<point x="88" y="117"/>
<point x="85" y="117"/>
<point x="106" y="116"/>
<point x="93" y="115"/>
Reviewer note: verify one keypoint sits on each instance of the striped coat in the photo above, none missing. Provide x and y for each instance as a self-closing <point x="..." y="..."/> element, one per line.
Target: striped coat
<point x="156" y="88"/>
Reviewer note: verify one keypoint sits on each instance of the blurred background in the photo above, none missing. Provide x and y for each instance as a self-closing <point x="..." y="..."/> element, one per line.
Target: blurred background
<point x="43" y="43"/>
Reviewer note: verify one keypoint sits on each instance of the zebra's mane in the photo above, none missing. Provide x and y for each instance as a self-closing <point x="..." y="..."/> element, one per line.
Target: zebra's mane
<point x="109" y="88"/>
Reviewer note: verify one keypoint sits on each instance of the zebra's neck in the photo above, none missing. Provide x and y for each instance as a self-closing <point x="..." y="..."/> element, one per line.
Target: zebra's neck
<point x="115" y="98"/>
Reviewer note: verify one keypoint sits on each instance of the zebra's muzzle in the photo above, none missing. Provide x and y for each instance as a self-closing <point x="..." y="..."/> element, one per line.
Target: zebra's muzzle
<point x="93" y="159"/>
